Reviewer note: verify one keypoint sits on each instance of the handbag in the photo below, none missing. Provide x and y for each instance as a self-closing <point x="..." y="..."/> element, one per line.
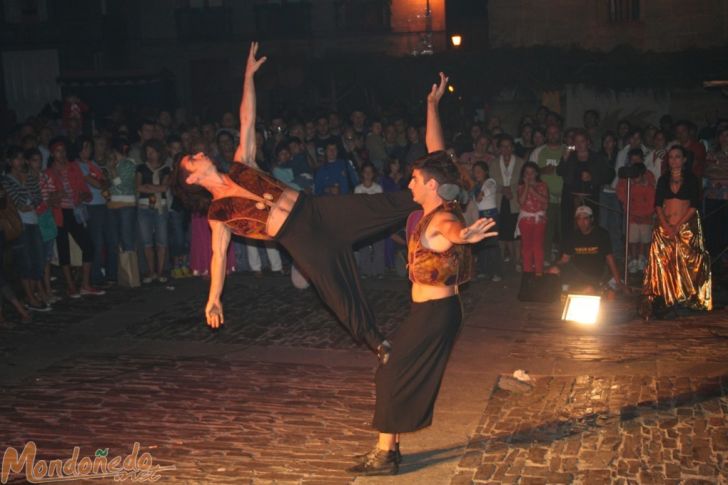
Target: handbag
<point x="129" y="269"/>
<point x="10" y="221"/>
<point x="47" y="226"/>
<point x="539" y="289"/>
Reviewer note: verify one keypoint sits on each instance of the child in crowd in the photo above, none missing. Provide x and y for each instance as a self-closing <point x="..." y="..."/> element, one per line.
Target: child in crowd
<point x="46" y="223"/>
<point x="533" y="198"/>
<point x="490" y="261"/>
<point x="641" y="209"/>
<point x="371" y="255"/>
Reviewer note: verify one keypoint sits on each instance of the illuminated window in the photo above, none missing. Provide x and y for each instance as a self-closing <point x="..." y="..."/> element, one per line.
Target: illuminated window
<point x="621" y="11"/>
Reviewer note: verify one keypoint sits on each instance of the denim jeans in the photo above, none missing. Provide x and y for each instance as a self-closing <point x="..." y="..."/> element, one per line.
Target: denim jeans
<point x="153" y="227"/>
<point x="99" y="231"/>
<point x="122" y="224"/>
<point x="256" y="262"/>
<point x="610" y="218"/>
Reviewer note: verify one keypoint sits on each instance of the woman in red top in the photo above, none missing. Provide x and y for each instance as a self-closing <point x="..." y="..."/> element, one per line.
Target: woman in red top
<point x="533" y="197"/>
<point x="70" y="217"/>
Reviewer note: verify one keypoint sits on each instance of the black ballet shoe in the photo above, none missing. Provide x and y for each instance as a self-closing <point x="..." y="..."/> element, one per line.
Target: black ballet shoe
<point x="366" y="456"/>
<point x="383" y="351"/>
<point x="377" y="462"/>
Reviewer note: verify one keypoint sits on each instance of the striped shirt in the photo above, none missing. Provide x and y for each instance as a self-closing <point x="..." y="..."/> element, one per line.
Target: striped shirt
<point x="27" y="194"/>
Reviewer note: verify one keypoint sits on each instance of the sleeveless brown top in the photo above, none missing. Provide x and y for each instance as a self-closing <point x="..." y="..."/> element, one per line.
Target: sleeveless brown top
<point x="245" y="217"/>
<point x="446" y="268"/>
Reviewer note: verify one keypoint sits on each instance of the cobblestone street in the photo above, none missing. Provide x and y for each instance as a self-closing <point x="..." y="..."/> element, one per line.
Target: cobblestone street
<point x="281" y="394"/>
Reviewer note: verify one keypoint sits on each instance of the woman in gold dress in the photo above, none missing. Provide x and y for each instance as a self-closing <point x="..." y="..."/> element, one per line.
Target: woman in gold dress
<point x="678" y="267"/>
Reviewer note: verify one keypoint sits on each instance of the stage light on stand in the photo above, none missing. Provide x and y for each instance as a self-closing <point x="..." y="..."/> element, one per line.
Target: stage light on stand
<point x="581" y="309"/>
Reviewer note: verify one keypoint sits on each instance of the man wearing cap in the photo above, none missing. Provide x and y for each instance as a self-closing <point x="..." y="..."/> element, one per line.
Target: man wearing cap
<point x="586" y="252"/>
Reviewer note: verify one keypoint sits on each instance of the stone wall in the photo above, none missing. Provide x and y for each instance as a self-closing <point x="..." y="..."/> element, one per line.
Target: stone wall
<point x="664" y="25"/>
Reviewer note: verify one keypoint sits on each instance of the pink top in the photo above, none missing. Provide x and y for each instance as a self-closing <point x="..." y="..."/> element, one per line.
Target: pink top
<point x="534" y="204"/>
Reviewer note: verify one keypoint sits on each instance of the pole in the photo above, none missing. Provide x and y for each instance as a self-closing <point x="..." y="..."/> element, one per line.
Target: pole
<point x="626" y="231"/>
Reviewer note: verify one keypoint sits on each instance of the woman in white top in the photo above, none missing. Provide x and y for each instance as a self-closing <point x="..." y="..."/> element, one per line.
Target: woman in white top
<point x="506" y="170"/>
<point x="490" y="261"/>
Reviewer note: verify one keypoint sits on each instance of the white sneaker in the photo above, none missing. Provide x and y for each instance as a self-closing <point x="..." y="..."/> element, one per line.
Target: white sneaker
<point x="149" y="279"/>
<point x="496" y="278"/>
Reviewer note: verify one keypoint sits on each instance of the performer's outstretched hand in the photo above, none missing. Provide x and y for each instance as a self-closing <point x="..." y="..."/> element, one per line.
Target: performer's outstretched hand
<point x="478" y="231"/>
<point x="213" y="313"/>
<point x="253" y="64"/>
<point x="438" y="90"/>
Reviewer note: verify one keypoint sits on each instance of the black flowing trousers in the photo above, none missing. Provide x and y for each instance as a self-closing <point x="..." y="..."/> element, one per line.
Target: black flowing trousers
<point x="408" y="385"/>
<point x="319" y="234"/>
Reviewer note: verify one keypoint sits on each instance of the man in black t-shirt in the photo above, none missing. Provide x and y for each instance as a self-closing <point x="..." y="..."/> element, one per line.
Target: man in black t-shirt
<point x="587" y="256"/>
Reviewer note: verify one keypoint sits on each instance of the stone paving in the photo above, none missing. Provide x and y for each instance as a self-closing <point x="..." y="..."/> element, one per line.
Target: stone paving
<point x="220" y="416"/>
<point x="590" y="429"/>
<point x="215" y="421"/>
<point x="269" y="312"/>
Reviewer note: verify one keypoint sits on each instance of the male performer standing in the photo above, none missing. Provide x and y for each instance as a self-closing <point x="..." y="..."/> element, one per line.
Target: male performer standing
<point x="439" y="261"/>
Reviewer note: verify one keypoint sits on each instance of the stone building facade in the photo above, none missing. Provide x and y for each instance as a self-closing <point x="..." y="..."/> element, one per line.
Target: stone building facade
<point x="647" y="25"/>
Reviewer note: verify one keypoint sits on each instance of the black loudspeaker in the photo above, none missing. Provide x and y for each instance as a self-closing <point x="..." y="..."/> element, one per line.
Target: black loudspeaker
<point x="540" y="289"/>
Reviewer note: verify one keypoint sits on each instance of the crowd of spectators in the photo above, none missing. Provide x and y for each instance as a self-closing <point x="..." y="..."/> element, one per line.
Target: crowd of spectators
<point x="106" y="188"/>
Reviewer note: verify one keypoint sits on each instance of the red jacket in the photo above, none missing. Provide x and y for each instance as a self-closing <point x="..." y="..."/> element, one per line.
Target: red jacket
<point x="642" y="199"/>
<point x="78" y="186"/>
<point x="699" y="155"/>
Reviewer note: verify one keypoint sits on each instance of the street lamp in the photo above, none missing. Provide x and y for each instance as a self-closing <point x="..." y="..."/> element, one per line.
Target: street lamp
<point x="456" y="40"/>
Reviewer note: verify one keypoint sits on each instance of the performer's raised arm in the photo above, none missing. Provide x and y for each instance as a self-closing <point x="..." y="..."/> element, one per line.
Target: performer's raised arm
<point x="246" y="150"/>
<point x="434" y="138"/>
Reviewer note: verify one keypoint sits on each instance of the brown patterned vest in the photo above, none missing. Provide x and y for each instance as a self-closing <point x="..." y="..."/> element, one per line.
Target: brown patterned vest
<point x="243" y="216"/>
<point x="446" y="268"/>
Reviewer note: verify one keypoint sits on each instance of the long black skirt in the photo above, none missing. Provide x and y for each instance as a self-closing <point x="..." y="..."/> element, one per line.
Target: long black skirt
<point x="408" y="384"/>
<point x="319" y="234"/>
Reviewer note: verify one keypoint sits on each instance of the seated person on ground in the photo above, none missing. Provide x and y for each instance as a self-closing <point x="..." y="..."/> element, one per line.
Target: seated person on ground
<point x="587" y="256"/>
